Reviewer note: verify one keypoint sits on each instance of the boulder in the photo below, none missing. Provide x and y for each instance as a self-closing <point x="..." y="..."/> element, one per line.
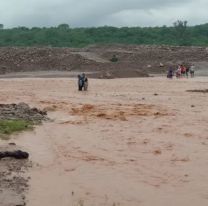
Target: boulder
<point x="17" y="154"/>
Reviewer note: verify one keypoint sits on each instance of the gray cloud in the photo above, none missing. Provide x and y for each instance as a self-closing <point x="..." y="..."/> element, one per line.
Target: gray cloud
<point x="79" y="13"/>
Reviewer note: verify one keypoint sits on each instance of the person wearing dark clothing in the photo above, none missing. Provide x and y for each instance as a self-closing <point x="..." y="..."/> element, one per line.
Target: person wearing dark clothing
<point x="80" y="83"/>
<point x="187" y="72"/>
<point x="170" y="73"/>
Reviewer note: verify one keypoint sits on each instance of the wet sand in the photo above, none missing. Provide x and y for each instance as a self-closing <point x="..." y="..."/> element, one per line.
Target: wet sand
<point x="124" y="142"/>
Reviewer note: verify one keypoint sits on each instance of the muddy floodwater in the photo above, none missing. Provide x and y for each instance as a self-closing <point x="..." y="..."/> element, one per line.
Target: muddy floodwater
<point x="125" y="142"/>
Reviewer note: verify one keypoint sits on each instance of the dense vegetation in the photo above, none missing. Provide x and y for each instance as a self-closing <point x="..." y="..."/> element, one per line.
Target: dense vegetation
<point x="64" y="36"/>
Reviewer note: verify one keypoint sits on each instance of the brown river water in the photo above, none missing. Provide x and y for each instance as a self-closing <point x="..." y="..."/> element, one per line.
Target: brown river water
<point x="125" y="142"/>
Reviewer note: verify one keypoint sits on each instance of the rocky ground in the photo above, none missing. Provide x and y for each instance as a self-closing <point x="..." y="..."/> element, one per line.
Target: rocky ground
<point x="133" y="61"/>
<point x="21" y="111"/>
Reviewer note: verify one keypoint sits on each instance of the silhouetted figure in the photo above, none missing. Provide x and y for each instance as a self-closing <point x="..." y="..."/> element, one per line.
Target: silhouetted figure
<point x="170" y="73"/>
<point x="82" y="82"/>
<point x="192" y="71"/>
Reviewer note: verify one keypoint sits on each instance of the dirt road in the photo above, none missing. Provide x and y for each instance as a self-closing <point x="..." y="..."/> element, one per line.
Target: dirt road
<point x="124" y="142"/>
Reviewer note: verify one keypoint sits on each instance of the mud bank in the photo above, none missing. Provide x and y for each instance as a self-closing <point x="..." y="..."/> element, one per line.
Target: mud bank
<point x="133" y="61"/>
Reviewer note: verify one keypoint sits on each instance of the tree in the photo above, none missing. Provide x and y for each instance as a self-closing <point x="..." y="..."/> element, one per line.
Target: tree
<point x="23" y="28"/>
<point x="63" y="26"/>
<point x="1" y="26"/>
<point x="181" y="32"/>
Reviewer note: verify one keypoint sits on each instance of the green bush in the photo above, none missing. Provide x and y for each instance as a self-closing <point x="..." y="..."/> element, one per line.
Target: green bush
<point x="8" y="127"/>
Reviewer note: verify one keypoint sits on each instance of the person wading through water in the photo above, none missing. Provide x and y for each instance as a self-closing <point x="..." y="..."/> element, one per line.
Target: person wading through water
<point x="170" y="73"/>
<point x="183" y="70"/>
<point x="192" y="71"/>
<point x="79" y="83"/>
<point x="82" y="82"/>
<point x="178" y="72"/>
<point x="187" y="71"/>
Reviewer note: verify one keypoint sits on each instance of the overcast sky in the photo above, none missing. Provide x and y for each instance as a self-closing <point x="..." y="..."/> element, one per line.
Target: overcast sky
<point x="83" y="13"/>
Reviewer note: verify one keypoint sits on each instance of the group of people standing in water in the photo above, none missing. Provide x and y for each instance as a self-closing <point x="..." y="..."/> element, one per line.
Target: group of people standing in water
<point x="181" y="71"/>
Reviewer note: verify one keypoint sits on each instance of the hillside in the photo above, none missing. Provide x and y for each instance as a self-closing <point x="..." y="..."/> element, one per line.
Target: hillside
<point x="133" y="60"/>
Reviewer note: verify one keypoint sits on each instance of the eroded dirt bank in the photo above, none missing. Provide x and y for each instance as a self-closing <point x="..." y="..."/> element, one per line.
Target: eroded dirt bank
<point x="124" y="142"/>
<point x="133" y="60"/>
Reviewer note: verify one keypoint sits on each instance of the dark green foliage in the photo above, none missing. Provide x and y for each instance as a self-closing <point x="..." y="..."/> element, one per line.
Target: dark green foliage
<point x="182" y="33"/>
<point x="63" y="26"/>
<point x="64" y="36"/>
